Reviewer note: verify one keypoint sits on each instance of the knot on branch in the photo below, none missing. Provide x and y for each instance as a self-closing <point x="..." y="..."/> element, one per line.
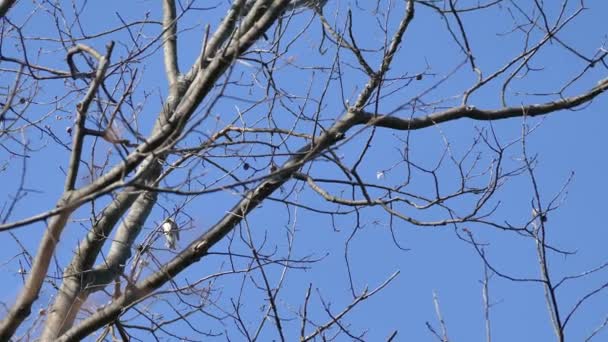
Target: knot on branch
<point x="339" y="136"/>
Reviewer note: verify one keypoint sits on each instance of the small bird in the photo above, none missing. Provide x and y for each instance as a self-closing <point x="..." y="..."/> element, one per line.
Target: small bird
<point x="171" y="232"/>
<point x="536" y="213"/>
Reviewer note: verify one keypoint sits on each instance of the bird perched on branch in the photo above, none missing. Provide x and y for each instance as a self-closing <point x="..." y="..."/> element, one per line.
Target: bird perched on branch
<point x="171" y="232"/>
<point x="541" y="215"/>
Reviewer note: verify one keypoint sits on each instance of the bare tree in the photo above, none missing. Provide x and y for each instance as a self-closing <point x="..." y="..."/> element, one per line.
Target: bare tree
<point x="186" y="192"/>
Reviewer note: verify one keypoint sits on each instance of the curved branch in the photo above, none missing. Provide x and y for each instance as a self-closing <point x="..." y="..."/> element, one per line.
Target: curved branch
<point x="5" y="6"/>
<point x="82" y="108"/>
<point x="79" y="281"/>
<point x="480" y="114"/>
<point x="170" y="45"/>
<point x="22" y="307"/>
<point x="200" y="246"/>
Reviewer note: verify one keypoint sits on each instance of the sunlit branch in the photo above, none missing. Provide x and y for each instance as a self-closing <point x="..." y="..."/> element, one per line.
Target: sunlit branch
<point x="474" y="113"/>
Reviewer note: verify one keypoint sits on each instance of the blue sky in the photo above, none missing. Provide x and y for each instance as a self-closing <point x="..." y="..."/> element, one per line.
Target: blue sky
<point x="436" y="260"/>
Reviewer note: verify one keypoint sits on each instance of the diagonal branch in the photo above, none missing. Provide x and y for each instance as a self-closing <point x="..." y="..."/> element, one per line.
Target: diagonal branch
<point x="82" y="108"/>
<point x="336" y="318"/>
<point x="389" y="121"/>
<point x="22" y="307"/>
<point x="5" y="6"/>
<point x="200" y="246"/>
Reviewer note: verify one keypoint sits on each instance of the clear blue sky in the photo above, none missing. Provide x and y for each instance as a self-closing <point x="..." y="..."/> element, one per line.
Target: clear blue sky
<point x="436" y="259"/>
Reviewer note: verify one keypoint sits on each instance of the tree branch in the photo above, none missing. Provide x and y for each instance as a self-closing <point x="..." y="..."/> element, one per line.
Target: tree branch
<point x="22" y="307"/>
<point x="389" y="121"/>
<point x="170" y="46"/>
<point x="5" y="6"/>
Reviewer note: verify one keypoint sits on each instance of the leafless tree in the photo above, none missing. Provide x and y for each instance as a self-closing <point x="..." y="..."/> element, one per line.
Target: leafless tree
<point x="277" y="115"/>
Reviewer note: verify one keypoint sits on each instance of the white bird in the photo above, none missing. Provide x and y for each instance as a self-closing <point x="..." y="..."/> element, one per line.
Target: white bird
<point x="171" y="232"/>
<point x="541" y="215"/>
<point x="534" y="213"/>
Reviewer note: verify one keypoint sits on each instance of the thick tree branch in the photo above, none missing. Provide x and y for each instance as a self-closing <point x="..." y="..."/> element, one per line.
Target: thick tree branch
<point x="170" y="46"/>
<point x="29" y="293"/>
<point x="80" y="280"/>
<point x="199" y="247"/>
<point x="5" y="6"/>
<point x="471" y="112"/>
<point x="376" y="79"/>
<point x="22" y="307"/>
<point x="175" y="115"/>
<point x="189" y="143"/>
<point x="82" y="108"/>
